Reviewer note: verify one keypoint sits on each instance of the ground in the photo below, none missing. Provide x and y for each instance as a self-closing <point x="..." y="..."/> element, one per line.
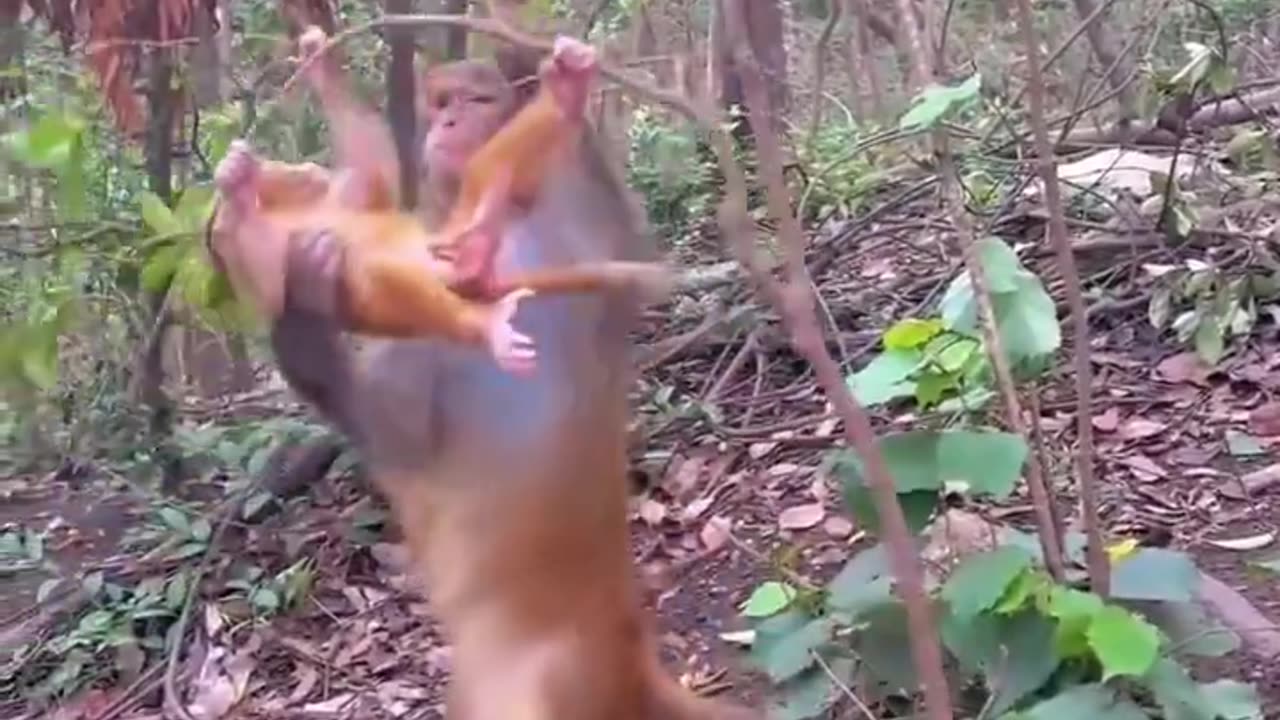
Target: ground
<point x="724" y="496"/>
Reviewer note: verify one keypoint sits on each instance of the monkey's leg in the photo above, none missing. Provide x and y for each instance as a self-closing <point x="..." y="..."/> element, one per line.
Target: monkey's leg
<point x="400" y="294"/>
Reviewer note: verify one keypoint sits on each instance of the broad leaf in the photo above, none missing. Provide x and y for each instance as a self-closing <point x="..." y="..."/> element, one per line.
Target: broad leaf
<point x="885" y="378"/>
<point x="1179" y="697"/>
<point x="936" y="102"/>
<point x="811" y="694"/>
<point x="911" y="333"/>
<point x="1190" y="629"/>
<point x="864" y="582"/>
<point x="1124" y="643"/>
<point x="1095" y="702"/>
<point x="884" y="645"/>
<point x="793" y="653"/>
<point x="980" y="580"/>
<point x="157" y="216"/>
<point x="1074" y="611"/>
<point x="1232" y="700"/>
<point x="1015" y="655"/>
<point x="988" y="462"/>
<point x="770" y="598"/>
<point x="1155" y="574"/>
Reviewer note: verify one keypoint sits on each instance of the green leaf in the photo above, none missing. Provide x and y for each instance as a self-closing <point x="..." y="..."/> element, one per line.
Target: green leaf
<point x="988" y="462"/>
<point x="884" y="645"/>
<point x="176" y="520"/>
<point x="980" y="580"/>
<point x="175" y="592"/>
<point x="794" y="653"/>
<point x="1191" y="631"/>
<point x="265" y="599"/>
<point x="1210" y="342"/>
<point x="1074" y="610"/>
<point x="157" y="216"/>
<point x="864" y="582"/>
<point x="911" y="333"/>
<point x="812" y="693"/>
<point x="1095" y="702"/>
<point x="887" y="377"/>
<point x="1154" y="574"/>
<point x="936" y="102"/>
<point x="1179" y="697"/>
<point x="194" y="207"/>
<point x="1197" y="67"/>
<point x="918" y="506"/>
<point x="1014" y="654"/>
<point x="48" y="143"/>
<point x="160" y="268"/>
<point x="1232" y="700"/>
<point x="1124" y="643"/>
<point x="769" y="598"/>
<point x="1001" y="265"/>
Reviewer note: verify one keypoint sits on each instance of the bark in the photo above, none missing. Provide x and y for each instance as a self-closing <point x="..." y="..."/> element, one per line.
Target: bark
<point x="1104" y="47"/>
<point x="401" y="113"/>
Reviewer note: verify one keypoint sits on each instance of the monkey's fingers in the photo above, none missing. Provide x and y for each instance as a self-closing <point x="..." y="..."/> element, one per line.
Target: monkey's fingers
<point x="236" y="177"/>
<point x="512" y="350"/>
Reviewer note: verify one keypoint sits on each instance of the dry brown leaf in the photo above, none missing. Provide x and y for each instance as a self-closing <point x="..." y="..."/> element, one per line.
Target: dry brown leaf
<point x="715" y="533"/>
<point x="1265" y="419"/>
<point x="1241" y="544"/>
<point x="838" y="527"/>
<point x="694" y="510"/>
<point x="1107" y="421"/>
<point x="802" y="517"/>
<point x="758" y="450"/>
<point x="1186" y="367"/>
<point x="1140" y="428"/>
<point x="1144" y="466"/>
<point x="652" y="512"/>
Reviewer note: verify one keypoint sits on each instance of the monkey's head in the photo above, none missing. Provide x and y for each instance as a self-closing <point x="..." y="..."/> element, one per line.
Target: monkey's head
<point x="464" y="103"/>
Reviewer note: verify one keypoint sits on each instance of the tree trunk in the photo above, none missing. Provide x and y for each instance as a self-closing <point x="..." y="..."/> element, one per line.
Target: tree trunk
<point x="401" y="113"/>
<point x="455" y="43"/>
<point x="766" y="29"/>
<point x="159" y="161"/>
<point x="1104" y="47"/>
<point x="12" y="41"/>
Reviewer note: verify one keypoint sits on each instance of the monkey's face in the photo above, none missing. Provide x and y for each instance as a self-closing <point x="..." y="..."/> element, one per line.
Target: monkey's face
<point x="465" y="106"/>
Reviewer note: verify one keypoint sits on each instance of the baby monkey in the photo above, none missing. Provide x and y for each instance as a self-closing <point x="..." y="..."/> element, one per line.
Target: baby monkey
<point x="397" y="279"/>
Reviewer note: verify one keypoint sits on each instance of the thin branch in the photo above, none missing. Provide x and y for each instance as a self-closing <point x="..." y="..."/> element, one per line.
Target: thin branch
<point x="1099" y="575"/>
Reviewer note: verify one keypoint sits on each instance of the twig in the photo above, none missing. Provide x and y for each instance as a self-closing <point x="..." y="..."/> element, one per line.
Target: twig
<point x="1099" y="575"/>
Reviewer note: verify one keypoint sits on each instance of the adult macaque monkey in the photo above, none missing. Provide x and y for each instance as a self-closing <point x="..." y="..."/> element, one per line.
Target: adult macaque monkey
<point x="511" y="492"/>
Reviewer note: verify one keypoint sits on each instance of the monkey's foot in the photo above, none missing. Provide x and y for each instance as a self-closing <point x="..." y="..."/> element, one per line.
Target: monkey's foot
<point x="569" y="73"/>
<point x="314" y="262"/>
<point x="310" y="44"/>
<point x="236" y="177"/>
<point x="512" y="350"/>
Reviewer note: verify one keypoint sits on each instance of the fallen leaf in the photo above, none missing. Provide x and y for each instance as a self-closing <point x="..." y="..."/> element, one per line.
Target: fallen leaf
<point x="1265" y="419"/>
<point x="1243" y="445"/>
<point x="652" y="512"/>
<point x="743" y="638"/>
<point x="307" y="676"/>
<point x="1140" y="428"/>
<point x="1182" y="368"/>
<point x="758" y="450"/>
<point x="1144" y="466"/>
<point x="393" y="556"/>
<point x="715" y="533"/>
<point x="1252" y="542"/>
<point x="827" y="427"/>
<point x="802" y="517"/>
<point x="1262" y="479"/>
<point x="694" y="509"/>
<point x="333" y="706"/>
<point x="1108" y="420"/>
<point x="838" y="527"/>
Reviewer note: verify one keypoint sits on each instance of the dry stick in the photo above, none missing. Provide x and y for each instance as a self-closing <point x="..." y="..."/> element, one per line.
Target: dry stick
<point x="1099" y="577"/>
<point x="795" y="302"/>
<point x="834" y="11"/>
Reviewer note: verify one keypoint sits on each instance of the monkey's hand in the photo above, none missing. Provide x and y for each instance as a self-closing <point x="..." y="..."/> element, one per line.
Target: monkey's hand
<point x="310" y="45"/>
<point x="511" y="350"/>
<point x="568" y="74"/>
<point x="236" y="179"/>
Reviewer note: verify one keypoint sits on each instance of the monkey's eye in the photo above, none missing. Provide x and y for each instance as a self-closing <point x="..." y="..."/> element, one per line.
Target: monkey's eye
<point x="483" y="99"/>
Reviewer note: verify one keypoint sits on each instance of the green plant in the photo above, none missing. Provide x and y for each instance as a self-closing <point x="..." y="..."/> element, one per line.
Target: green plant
<point x="1205" y="305"/>
<point x="667" y="166"/>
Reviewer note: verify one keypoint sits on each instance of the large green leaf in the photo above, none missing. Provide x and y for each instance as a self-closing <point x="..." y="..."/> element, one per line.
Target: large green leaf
<point x="1015" y="655"/>
<point x="1179" y="697"/>
<point x="911" y="333"/>
<point x="769" y="598"/>
<point x="1124" y="643"/>
<point x="812" y="693"/>
<point x="793" y="653"/>
<point x="937" y="102"/>
<point x="1094" y="702"/>
<point x="157" y="216"/>
<point x="989" y="462"/>
<point x="918" y="506"/>
<point x="980" y="580"/>
<point x="49" y="143"/>
<point x="194" y="208"/>
<point x="1154" y="574"/>
<point x="1232" y="700"/>
<point x="1074" y="611"/>
<point x="885" y="378"/>
<point x="883" y="643"/>
<point x="864" y="582"/>
<point x="1190" y="629"/>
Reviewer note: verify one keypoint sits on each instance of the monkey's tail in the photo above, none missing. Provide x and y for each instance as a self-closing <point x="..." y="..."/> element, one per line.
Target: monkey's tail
<point x="648" y="282"/>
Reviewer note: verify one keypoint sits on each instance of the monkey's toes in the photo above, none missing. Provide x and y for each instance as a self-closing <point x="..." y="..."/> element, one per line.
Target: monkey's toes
<point x="311" y="40"/>
<point x="238" y="167"/>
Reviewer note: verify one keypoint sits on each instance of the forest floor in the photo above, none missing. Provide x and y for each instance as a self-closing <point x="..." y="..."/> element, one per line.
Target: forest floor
<point x="1173" y="442"/>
